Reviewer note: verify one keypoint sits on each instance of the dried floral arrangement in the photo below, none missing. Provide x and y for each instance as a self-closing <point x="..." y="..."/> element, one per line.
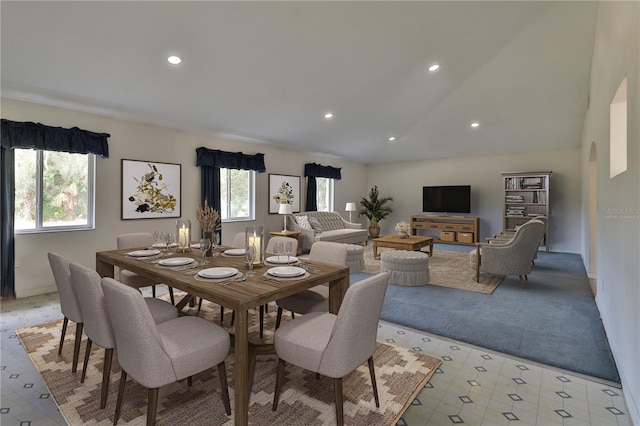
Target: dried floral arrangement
<point x="285" y="194"/>
<point x="208" y="217"/>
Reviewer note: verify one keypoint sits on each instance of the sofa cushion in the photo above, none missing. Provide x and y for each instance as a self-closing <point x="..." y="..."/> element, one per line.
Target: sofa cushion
<point x="315" y="224"/>
<point x="303" y="221"/>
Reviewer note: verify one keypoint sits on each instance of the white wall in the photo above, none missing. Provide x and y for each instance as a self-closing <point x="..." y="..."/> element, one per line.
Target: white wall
<point x="616" y="52"/>
<point x="145" y="142"/>
<point x="404" y="181"/>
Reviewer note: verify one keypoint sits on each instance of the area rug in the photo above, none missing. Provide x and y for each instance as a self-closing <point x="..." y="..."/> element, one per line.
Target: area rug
<point x="400" y="374"/>
<point x="446" y="269"/>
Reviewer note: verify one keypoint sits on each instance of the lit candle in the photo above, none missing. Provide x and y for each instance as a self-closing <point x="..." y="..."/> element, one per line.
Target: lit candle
<point x="254" y="245"/>
<point x="183" y="237"/>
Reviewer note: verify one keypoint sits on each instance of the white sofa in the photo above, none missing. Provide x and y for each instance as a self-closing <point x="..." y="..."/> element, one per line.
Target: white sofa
<point x="333" y="228"/>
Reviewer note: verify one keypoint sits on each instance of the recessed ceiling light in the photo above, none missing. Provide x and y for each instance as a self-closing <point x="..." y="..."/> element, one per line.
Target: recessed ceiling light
<point x="174" y="60"/>
<point x="392" y="138"/>
<point x="328" y="115"/>
<point x="434" y="67"/>
<point x="475" y="124"/>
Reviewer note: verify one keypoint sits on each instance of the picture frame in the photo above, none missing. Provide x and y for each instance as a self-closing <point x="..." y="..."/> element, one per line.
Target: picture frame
<point x="150" y="189"/>
<point x="275" y="184"/>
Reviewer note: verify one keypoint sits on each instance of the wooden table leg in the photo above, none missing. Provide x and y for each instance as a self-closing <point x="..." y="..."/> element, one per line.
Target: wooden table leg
<point x="104" y="269"/>
<point x="337" y="290"/>
<point x="375" y="250"/>
<point x="241" y="357"/>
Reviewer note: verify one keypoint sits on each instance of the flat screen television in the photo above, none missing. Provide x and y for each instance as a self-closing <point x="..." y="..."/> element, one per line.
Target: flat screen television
<point x="446" y="199"/>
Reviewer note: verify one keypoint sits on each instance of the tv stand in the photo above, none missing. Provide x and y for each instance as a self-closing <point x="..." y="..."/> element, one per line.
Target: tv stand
<point x="452" y="229"/>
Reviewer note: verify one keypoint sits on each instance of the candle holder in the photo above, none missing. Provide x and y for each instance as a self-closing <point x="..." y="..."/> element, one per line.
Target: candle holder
<point x="183" y="235"/>
<point x="254" y="242"/>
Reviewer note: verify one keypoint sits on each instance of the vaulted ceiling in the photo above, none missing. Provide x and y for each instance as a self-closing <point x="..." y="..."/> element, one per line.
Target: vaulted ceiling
<point x="269" y="71"/>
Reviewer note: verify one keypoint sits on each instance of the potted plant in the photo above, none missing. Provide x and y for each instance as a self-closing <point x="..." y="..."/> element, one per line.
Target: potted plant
<point x="375" y="210"/>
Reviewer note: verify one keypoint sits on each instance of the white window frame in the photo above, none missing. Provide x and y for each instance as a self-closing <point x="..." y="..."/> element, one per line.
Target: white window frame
<point x="252" y="197"/>
<point x="330" y="194"/>
<point x="91" y="191"/>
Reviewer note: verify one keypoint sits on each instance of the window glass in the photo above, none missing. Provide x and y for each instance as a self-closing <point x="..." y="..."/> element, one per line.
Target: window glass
<point x="237" y="194"/>
<point x="54" y="190"/>
<point x="324" y="194"/>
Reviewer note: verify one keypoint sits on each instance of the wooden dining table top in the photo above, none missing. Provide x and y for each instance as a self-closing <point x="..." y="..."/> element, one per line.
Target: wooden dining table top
<point x="243" y="295"/>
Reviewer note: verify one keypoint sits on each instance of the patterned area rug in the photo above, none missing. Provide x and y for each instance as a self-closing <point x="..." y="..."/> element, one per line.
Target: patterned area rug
<point x="447" y="269"/>
<point x="400" y="374"/>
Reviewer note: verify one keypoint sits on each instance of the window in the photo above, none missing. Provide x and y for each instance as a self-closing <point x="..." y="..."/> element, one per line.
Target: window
<point x="237" y="194"/>
<point x="54" y="191"/>
<point x="324" y="194"/>
<point x="618" y="131"/>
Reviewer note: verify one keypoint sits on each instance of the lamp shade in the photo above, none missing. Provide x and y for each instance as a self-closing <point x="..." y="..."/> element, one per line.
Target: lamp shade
<point x="350" y="207"/>
<point x="285" y="209"/>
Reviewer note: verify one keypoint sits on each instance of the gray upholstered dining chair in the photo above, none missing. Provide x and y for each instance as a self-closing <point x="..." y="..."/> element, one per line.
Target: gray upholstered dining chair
<point x="137" y="240"/>
<point x="239" y="240"/>
<point x="97" y="324"/>
<point x="283" y="240"/>
<point x="335" y="345"/>
<point x="68" y="303"/>
<point x="316" y="299"/>
<point x="513" y="258"/>
<point x="157" y="355"/>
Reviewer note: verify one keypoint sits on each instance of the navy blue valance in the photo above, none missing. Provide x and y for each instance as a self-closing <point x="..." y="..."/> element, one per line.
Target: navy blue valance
<point x="28" y="135"/>
<point x="230" y="160"/>
<point x="317" y="170"/>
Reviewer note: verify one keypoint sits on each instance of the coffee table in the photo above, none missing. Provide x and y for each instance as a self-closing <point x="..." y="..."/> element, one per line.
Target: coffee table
<point x="411" y="243"/>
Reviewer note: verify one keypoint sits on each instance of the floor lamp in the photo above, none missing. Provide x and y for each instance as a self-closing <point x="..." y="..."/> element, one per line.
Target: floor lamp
<point x="285" y="209"/>
<point x="350" y="207"/>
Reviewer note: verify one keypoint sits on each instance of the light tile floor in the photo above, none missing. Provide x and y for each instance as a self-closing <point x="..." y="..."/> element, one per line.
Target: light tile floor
<point x="473" y="386"/>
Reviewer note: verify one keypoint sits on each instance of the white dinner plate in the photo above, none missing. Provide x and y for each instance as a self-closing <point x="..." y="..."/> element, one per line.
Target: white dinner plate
<point x="218" y="272"/>
<point x="282" y="259"/>
<point x="235" y="252"/>
<point x="163" y="245"/>
<point x="143" y="253"/>
<point x="176" y="261"/>
<point x="286" y="271"/>
<point x="195" y="246"/>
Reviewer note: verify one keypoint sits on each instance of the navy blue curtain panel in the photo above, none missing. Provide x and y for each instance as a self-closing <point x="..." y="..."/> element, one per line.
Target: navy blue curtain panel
<point x="312" y="171"/>
<point x="7" y="244"/>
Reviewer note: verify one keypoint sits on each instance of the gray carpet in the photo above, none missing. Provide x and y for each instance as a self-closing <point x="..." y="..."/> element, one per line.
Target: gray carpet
<point x="553" y="320"/>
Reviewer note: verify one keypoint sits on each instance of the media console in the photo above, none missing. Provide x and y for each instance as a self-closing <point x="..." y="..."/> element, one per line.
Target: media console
<point x="452" y="230"/>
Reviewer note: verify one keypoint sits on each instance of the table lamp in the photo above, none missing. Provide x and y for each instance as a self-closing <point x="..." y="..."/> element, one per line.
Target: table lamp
<point x="350" y="207"/>
<point x="285" y="209"/>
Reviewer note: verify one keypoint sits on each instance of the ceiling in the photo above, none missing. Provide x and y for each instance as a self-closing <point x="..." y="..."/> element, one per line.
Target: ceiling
<point x="267" y="72"/>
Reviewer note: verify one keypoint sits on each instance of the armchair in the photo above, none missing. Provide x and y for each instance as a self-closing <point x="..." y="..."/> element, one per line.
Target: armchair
<point x="512" y="258"/>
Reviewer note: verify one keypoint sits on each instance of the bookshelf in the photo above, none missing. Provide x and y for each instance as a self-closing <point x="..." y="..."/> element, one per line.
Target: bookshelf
<point x="526" y="195"/>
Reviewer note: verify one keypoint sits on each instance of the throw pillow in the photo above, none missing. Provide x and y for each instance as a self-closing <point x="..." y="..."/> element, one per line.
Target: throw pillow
<point x="303" y="221"/>
<point x="315" y="224"/>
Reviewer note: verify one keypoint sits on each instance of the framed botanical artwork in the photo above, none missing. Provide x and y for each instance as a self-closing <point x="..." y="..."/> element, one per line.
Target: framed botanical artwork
<point x="284" y="189"/>
<point x="150" y="189"/>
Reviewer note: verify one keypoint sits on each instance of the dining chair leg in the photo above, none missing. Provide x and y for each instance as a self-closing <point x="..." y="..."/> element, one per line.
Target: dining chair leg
<point x="278" y="318"/>
<point x="65" y="322"/>
<point x="279" y="377"/>
<point x="372" y="371"/>
<point x="152" y="406"/>
<point x="87" y="352"/>
<point x="76" y="347"/>
<point x="106" y="374"/>
<point x="153" y="291"/>
<point x="173" y="300"/>
<point x="200" y="304"/>
<point x="221" y="314"/>
<point x="189" y="381"/>
<point x="337" y="388"/>
<point x="261" y="321"/>
<point x="222" y="372"/>
<point x="123" y="381"/>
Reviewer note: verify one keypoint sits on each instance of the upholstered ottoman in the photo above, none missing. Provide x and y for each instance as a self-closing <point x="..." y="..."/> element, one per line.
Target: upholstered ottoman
<point x="355" y="258"/>
<point x="409" y="268"/>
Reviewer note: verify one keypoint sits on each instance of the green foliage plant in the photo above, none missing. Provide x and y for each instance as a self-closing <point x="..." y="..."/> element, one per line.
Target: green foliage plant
<point x="374" y="207"/>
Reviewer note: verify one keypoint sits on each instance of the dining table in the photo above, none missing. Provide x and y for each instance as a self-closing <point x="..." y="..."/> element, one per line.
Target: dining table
<point x="240" y="296"/>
